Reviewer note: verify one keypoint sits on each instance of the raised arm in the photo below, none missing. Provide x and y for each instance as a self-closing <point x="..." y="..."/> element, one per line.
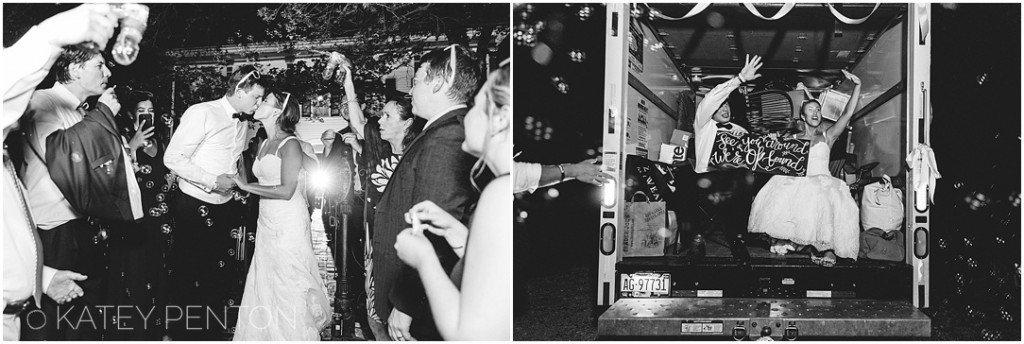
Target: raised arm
<point x="28" y="61"/>
<point x="291" y="162"/>
<point x="714" y="99"/>
<point x="851" y="106"/>
<point x="356" y="118"/>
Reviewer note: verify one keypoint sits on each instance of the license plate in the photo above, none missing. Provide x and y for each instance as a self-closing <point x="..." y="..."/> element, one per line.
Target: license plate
<point x="645" y="284"/>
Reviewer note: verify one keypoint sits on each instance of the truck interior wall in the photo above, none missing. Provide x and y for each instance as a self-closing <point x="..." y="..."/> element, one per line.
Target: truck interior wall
<point x="878" y="136"/>
<point x="659" y="75"/>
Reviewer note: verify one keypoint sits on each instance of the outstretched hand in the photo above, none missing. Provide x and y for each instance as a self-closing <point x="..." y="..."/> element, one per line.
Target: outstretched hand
<point x="63" y="288"/>
<point x="851" y="77"/>
<point x="587" y="171"/>
<point x="749" y="71"/>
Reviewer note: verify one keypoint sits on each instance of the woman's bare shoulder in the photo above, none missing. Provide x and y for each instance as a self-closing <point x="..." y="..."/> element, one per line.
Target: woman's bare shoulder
<point x="496" y="202"/>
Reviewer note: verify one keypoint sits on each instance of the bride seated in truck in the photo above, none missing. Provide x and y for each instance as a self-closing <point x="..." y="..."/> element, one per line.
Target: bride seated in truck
<point x="817" y="210"/>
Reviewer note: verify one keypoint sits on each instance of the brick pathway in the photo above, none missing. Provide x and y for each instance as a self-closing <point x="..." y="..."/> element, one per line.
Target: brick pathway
<point x="323" y="254"/>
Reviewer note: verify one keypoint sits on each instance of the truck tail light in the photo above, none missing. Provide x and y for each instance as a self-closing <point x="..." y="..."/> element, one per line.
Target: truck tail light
<point x="609" y="193"/>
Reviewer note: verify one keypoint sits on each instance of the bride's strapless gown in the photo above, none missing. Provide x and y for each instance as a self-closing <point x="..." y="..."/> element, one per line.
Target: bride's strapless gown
<point x="815" y="210"/>
<point x="284" y="296"/>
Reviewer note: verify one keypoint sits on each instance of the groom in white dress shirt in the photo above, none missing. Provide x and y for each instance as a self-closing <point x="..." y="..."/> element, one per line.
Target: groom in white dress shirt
<point x="204" y="152"/>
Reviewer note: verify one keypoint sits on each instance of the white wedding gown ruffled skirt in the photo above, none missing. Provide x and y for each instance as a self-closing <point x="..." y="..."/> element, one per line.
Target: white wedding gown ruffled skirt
<point x="816" y="210"/>
<point x="284" y="296"/>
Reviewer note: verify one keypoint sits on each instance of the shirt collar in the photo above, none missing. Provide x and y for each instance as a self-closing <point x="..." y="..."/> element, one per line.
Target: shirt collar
<point x="228" y="109"/>
<point x="441" y="113"/>
<point x="65" y="95"/>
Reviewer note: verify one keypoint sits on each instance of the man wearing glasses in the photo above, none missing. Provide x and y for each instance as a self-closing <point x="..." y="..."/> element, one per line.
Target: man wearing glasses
<point x="204" y="152"/>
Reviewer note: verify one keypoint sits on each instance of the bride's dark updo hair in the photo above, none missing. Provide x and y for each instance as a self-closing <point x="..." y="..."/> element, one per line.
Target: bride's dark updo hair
<point x="290" y="112"/>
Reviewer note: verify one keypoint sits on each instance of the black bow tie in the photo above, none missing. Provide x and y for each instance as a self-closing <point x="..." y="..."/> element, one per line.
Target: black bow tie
<point x="726" y="125"/>
<point x="241" y="116"/>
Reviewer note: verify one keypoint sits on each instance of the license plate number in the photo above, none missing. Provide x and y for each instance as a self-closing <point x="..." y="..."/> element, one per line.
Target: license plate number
<point x="645" y="284"/>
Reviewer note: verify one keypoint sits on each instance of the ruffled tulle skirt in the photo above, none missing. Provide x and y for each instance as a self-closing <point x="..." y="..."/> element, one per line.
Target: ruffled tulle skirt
<point x="814" y="210"/>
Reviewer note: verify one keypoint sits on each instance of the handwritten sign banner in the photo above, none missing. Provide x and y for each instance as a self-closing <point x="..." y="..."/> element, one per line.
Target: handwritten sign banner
<point x="760" y="153"/>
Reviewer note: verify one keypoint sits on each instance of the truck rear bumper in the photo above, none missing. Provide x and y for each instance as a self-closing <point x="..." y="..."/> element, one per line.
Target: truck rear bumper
<point x="753" y="318"/>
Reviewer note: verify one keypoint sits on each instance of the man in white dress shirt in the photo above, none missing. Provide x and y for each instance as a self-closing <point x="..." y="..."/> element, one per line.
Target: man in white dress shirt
<point x="204" y="153"/>
<point x="713" y="115"/>
<point x="26" y="63"/>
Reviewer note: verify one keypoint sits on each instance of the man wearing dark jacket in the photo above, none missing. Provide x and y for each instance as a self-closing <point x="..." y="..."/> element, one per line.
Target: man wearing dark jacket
<point x="57" y="137"/>
<point x="433" y="168"/>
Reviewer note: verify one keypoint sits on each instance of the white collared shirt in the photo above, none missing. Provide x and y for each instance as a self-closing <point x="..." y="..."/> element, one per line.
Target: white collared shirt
<point x="705" y="129"/>
<point x="441" y="113"/>
<point x="207" y="144"/>
<point x="50" y="110"/>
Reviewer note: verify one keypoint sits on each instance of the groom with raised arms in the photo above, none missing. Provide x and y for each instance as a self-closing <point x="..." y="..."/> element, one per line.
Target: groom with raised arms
<point x="204" y="152"/>
<point x="433" y="168"/>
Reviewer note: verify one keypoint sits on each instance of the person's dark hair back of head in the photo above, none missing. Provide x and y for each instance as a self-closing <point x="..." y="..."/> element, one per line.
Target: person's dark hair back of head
<point x="405" y="112"/>
<point x="70" y="55"/>
<point x="290" y="115"/>
<point x="374" y="146"/>
<point x="250" y="81"/>
<point x="467" y="76"/>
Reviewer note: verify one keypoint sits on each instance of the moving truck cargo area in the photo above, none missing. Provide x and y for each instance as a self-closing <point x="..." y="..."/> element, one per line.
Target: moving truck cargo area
<point x="762" y="187"/>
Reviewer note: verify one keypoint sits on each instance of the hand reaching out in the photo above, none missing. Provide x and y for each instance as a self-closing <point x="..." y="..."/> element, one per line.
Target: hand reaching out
<point x="63" y="288"/>
<point x="749" y="71"/>
<point x="587" y="171"/>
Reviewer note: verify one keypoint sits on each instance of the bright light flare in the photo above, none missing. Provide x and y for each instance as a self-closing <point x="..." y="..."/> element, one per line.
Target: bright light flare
<point x="320" y="180"/>
<point x="609" y="193"/>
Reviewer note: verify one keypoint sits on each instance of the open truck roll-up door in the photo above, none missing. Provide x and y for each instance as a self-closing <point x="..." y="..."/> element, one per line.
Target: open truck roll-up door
<point x="777" y="298"/>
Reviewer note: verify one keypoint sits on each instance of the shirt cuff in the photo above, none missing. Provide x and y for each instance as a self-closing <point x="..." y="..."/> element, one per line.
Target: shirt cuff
<point x="527" y="176"/>
<point x="48" y="273"/>
<point x="209" y="182"/>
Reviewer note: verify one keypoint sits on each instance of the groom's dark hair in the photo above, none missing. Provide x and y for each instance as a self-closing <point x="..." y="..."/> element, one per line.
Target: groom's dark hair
<point x="235" y="80"/>
<point x="467" y="77"/>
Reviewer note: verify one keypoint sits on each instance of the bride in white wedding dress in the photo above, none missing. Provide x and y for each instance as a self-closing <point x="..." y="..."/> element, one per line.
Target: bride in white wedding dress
<point x="284" y="296"/>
